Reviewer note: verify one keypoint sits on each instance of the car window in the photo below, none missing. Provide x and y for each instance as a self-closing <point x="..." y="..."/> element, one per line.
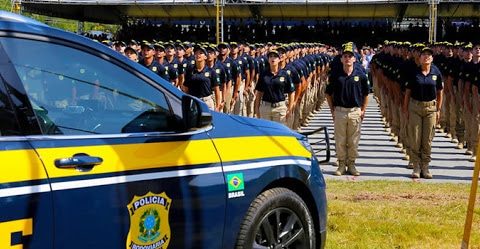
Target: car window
<point x="75" y="93"/>
<point x="8" y="121"/>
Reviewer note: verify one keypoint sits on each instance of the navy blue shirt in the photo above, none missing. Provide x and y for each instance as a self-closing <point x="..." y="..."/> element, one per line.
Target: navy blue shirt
<point x="172" y="68"/>
<point x="220" y="71"/>
<point x="348" y="90"/>
<point x="274" y="87"/>
<point x="424" y="87"/>
<point x="294" y="74"/>
<point x="201" y="83"/>
<point x="156" y="68"/>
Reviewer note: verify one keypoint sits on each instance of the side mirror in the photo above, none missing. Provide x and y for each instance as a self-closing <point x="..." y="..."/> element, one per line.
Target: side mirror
<point x="195" y="113"/>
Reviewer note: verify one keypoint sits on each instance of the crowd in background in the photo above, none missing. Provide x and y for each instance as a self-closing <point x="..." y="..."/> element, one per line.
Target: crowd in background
<point x="330" y="32"/>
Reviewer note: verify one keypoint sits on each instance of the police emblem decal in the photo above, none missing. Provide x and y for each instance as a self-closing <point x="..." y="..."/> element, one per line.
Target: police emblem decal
<point x="184" y="64"/>
<point x="207" y="74"/>
<point x="282" y="79"/>
<point x="356" y="78"/>
<point x="434" y="77"/>
<point x="175" y="66"/>
<point x="217" y="70"/>
<point x="154" y="69"/>
<point x="149" y="222"/>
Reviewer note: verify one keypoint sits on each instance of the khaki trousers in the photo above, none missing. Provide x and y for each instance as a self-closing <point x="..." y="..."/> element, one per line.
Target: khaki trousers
<point x="209" y="101"/>
<point x="274" y="113"/>
<point x="468" y="119"/>
<point x="239" y="107"/>
<point x="347" y="125"/>
<point x="422" y="120"/>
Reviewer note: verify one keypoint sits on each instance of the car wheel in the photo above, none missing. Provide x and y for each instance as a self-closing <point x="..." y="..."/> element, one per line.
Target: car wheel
<point x="277" y="218"/>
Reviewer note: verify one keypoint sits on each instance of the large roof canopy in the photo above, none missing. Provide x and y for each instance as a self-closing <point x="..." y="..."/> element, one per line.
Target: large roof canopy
<point x="116" y="11"/>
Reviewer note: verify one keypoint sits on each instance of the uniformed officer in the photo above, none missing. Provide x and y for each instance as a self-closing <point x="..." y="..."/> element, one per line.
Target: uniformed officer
<point x="423" y="101"/>
<point x="238" y="98"/>
<point x="347" y="96"/>
<point x="272" y="86"/>
<point x="200" y="80"/>
<point x="149" y="61"/>
<point x="171" y="63"/>
<point x="216" y="65"/>
<point x="131" y="54"/>
<point x="472" y="86"/>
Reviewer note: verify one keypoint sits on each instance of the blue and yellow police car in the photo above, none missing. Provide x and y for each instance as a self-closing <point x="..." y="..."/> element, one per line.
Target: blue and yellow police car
<point x="97" y="151"/>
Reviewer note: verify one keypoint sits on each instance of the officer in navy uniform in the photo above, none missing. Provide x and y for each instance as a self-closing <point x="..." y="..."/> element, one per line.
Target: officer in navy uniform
<point x="201" y="80"/>
<point x="149" y="60"/>
<point x="423" y="102"/>
<point x="347" y="96"/>
<point x="216" y="65"/>
<point x="171" y="64"/>
<point x="232" y="70"/>
<point x="272" y="86"/>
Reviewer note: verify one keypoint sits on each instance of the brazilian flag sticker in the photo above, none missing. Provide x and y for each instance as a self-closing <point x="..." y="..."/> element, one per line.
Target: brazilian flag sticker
<point x="235" y="182"/>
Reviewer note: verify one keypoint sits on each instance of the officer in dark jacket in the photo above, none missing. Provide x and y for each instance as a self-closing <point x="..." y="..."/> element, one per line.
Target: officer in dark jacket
<point x="201" y="80"/>
<point x="423" y="101"/>
<point x="273" y="84"/>
<point x="347" y="96"/>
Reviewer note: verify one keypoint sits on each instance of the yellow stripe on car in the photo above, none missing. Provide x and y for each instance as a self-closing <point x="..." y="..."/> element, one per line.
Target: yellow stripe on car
<point x="129" y="157"/>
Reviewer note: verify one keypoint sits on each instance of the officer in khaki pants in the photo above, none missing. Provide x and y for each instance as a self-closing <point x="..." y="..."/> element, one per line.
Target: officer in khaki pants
<point x="422" y="104"/>
<point x="347" y="96"/>
<point x="272" y="86"/>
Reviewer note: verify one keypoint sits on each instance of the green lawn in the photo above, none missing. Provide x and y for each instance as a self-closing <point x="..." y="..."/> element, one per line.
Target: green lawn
<point x="390" y="214"/>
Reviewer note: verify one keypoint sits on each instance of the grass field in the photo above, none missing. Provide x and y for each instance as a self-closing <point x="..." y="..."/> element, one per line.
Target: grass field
<point x="389" y="214"/>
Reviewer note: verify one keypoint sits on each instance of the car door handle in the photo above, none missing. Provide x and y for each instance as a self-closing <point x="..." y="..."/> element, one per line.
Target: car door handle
<point x="82" y="162"/>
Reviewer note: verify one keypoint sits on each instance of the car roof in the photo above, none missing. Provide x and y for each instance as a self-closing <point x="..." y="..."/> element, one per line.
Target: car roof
<point x="11" y="22"/>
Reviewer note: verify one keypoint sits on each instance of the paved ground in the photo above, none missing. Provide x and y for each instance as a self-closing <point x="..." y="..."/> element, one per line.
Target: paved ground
<point x="380" y="160"/>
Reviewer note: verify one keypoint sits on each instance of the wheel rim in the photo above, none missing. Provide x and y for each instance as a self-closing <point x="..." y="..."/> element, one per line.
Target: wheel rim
<point x="280" y="229"/>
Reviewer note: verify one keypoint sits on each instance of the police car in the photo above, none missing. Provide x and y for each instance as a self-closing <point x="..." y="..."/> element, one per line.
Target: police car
<point x="99" y="152"/>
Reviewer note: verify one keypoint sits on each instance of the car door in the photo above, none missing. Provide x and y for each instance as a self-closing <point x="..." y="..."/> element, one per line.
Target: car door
<point x="26" y="216"/>
<point x="121" y="175"/>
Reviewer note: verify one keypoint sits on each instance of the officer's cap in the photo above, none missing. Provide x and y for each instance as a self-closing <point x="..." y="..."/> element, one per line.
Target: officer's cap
<point x="201" y="49"/>
<point x="273" y="52"/>
<point x="426" y="50"/>
<point x="107" y="42"/>
<point x="130" y="49"/>
<point x="179" y="46"/>
<point x="233" y="45"/>
<point x="223" y="45"/>
<point x="147" y="45"/>
<point x="348" y="48"/>
<point x="158" y="45"/>
<point x="169" y="45"/>
<point x="269" y="44"/>
<point x="121" y="43"/>
<point x="187" y="45"/>
<point x="252" y="46"/>
<point x="211" y="47"/>
<point x="282" y="49"/>
<point x="468" y="46"/>
<point x="133" y="42"/>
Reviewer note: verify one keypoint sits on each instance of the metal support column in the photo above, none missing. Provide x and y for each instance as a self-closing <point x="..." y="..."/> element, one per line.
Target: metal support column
<point x="219" y="4"/>
<point x="80" y="27"/>
<point x="432" y="29"/>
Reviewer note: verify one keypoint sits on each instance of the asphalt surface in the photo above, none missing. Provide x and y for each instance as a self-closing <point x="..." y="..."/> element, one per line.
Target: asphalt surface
<point x="379" y="159"/>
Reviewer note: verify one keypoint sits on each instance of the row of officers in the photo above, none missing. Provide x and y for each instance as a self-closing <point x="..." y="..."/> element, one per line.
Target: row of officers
<point x="421" y="88"/>
<point x="279" y="82"/>
<point x="417" y="87"/>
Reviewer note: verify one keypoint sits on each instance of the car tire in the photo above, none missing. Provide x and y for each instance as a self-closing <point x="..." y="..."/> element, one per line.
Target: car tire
<point x="277" y="218"/>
